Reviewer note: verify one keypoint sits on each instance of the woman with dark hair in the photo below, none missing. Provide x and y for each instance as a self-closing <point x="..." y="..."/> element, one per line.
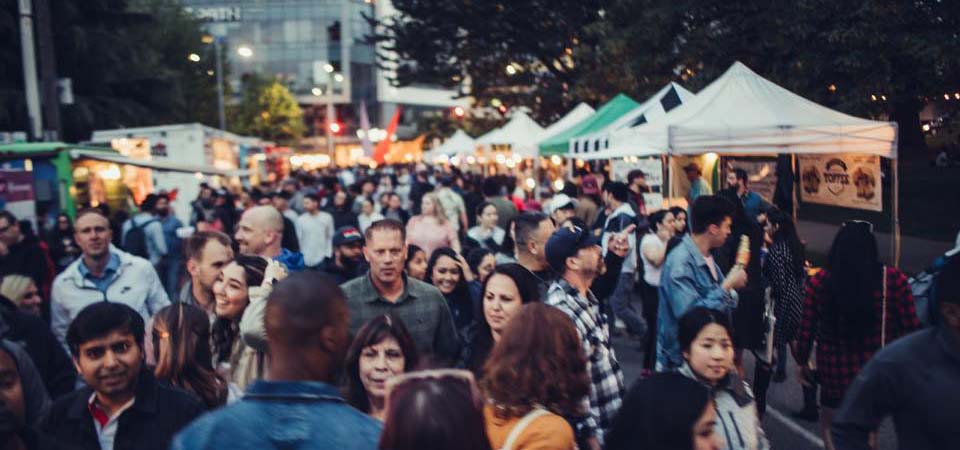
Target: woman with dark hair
<point x="235" y="360"/>
<point x="653" y="253"/>
<point x="434" y="409"/>
<point x="481" y="262"/>
<point x="381" y="350"/>
<point x="666" y="411"/>
<point x="487" y="233"/>
<point x="707" y="344"/>
<point x="523" y="411"/>
<point x="63" y="246"/>
<point x="852" y="308"/>
<point x="504" y="293"/>
<point x="449" y="273"/>
<point x="680" y="223"/>
<point x="783" y="269"/>
<point x="416" y="263"/>
<point x="181" y="346"/>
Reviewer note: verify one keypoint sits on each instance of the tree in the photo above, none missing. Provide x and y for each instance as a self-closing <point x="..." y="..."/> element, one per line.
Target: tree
<point x="128" y="61"/>
<point x="267" y="110"/>
<point x="516" y="53"/>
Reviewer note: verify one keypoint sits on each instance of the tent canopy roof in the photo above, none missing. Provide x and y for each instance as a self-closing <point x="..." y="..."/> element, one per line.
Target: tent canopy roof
<point x="459" y="143"/>
<point x="521" y="133"/>
<point x="605" y="115"/>
<point x="744" y="113"/>
<point x="576" y="115"/>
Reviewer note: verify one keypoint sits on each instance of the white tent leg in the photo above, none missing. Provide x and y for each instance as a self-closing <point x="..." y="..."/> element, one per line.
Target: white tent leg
<point x="793" y="188"/>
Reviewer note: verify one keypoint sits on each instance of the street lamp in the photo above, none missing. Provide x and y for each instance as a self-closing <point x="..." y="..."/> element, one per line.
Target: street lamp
<point x="244" y="51"/>
<point x="193" y="57"/>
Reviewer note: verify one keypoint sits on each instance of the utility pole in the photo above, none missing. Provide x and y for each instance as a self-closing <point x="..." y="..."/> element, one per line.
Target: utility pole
<point x="220" y="107"/>
<point x="30" y="69"/>
<point x="331" y="112"/>
<point x="50" y="99"/>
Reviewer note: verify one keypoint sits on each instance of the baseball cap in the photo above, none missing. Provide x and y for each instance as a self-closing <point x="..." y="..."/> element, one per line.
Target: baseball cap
<point x="590" y="185"/>
<point x="561" y="201"/>
<point x="565" y="242"/>
<point x="346" y="235"/>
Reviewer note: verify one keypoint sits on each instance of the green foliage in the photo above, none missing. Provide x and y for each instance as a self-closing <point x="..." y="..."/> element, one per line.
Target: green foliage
<point x="267" y="110"/>
<point x="128" y="62"/>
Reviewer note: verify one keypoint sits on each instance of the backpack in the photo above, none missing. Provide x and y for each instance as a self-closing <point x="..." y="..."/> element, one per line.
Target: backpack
<point x="135" y="241"/>
<point x="923" y="288"/>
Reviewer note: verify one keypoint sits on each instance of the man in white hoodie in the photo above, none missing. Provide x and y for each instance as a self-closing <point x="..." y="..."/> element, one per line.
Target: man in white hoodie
<point x="102" y="273"/>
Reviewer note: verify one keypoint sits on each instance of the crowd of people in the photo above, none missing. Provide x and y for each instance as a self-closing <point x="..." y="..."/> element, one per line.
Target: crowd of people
<point x="411" y="307"/>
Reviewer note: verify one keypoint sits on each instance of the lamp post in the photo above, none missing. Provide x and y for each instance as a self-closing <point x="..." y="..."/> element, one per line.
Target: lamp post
<point x="244" y="52"/>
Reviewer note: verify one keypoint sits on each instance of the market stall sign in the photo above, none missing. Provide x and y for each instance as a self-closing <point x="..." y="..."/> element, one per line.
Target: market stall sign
<point x="850" y="181"/>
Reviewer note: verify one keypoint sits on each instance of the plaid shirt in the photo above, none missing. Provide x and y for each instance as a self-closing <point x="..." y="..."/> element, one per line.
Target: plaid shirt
<point x="839" y="360"/>
<point x="606" y="378"/>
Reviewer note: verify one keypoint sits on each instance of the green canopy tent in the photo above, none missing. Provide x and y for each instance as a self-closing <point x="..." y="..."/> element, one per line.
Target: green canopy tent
<point x="605" y="115"/>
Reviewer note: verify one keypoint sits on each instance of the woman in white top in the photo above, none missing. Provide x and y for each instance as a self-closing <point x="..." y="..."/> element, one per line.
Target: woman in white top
<point x="653" y="252"/>
<point x="487" y="233"/>
<point x="367" y="214"/>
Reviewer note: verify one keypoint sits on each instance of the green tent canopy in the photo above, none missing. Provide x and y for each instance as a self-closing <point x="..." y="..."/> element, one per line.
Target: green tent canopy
<point x="605" y="115"/>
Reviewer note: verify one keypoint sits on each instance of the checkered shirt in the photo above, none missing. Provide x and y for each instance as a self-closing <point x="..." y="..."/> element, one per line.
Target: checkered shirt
<point x="606" y="378"/>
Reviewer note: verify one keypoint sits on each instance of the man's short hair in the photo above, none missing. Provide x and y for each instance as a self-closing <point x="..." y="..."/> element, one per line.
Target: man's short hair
<point x="149" y="203"/>
<point x="741" y="175"/>
<point x="386" y="225"/>
<point x="85" y="211"/>
<point x="618" y="190"/>
<point x="11" y="219"/>
<point x="634" y="174"/>
<point x="491" y="187"/>
<point x="526" y="224"/>
<point x="194" y="245"/>
<point x="709" y="210"/>
<point x="100" y="319"/>
<point x="947" y="283"/>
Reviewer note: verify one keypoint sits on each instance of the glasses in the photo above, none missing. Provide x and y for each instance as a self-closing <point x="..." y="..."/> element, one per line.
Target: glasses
<point x="859" y="223"/>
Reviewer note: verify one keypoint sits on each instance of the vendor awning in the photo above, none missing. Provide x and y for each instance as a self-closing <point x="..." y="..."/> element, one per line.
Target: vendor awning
<point x="605" y="115"/>
<point x="155" y="165"/>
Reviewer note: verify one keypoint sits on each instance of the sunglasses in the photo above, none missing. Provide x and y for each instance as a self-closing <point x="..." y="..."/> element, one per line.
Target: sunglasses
<point x="859" y="223"/>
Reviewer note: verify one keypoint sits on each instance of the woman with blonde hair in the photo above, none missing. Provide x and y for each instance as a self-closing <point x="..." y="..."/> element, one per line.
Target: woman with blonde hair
<point x="23" y="292"/>
<point x="430" y="229"/>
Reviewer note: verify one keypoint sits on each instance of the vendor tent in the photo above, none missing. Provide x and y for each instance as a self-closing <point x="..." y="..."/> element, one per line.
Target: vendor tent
<point x="576" y="115"/>
<point x="521" y="133"/>
<point x="744" y="113"/>
<point x="459" y="144"/>
<point x="665" y="100"/>
<point x="605" y="115"/>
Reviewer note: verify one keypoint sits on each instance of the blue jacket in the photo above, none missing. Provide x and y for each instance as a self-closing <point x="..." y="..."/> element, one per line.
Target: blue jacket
<point x="685" y="283"/>
<point x="753" y="205"/>
<point x="284" y="415"/>
<point x="292" y="260"/>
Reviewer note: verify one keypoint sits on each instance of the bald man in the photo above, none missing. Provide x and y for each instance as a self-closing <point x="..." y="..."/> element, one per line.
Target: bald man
<point x="307" y="335"/>
<point x="260" y="233"/>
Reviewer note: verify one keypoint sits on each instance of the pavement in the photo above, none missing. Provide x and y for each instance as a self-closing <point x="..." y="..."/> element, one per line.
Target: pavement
<point x="783" y="431"/>
<point x="916" y="254"/>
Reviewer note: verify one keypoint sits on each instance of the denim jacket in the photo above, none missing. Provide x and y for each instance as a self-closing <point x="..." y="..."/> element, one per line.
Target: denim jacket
<point x="686" y="283"/>
<point x="283" y="415"/>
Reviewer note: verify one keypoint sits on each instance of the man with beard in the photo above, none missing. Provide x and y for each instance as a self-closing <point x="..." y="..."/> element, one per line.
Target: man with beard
<point x="385" y="289"/>
<point x="122" y="405"/>
<point x="575" y="254"/>
<point x="171" y="266"/>
<point x="207" y="253"/>
<point x="347" y="260"/>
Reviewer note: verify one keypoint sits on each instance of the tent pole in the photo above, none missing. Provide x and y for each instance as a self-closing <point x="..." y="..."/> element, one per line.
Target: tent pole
<point x="895" y="219"/>
<point x="536" y="177"/>
<point x="793" y="189"/>
<point x="669" y="159"/>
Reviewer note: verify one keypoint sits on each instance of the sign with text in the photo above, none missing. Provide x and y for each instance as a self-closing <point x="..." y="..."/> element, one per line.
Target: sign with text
<point x="850" y="181"/>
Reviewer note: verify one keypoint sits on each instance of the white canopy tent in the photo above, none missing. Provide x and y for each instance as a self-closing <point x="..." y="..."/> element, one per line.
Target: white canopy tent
<point x="742" y="113"/>
<point x="521" y="133"/>
<point x="459" y="144"/>
<point x="576" y="115"/>
<point x="659" y="104"/>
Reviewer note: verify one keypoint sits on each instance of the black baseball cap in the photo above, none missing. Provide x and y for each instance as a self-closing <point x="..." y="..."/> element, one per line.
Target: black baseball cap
<point x="346" y="235"/>
<point x="566" y="242"/>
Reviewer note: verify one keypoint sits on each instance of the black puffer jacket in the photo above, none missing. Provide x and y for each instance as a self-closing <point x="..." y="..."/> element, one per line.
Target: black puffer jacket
<point x="32" y="333"/>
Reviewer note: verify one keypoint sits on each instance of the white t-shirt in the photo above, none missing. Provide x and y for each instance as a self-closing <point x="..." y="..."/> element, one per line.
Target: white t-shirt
<point x="651" y="274"/>
<point x="316" y="237"/>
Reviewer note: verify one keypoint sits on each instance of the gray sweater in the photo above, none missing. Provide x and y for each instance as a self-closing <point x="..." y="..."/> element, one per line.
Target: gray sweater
<point x="915" y="380"/>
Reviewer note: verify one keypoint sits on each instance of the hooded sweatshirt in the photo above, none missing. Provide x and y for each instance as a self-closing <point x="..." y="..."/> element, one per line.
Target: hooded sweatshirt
<point x="738" y="424"/>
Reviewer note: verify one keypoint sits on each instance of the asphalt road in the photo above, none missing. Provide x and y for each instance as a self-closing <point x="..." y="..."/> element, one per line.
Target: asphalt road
<point x="784" y="431"/>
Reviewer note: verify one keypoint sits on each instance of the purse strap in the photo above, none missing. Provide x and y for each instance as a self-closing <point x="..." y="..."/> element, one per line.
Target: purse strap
<point x="522" y="425"/>
<point x="883" y="314"/>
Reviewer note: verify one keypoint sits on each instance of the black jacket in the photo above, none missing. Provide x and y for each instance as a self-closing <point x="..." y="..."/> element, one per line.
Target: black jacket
<point x="158" y="414"/>
<point x="48" y="355"/>
<point x="339" y="274"/>
<point x="27" y="258"/>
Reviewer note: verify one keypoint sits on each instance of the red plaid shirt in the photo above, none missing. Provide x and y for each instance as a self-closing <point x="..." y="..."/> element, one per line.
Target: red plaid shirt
<point x="838" y="359"/>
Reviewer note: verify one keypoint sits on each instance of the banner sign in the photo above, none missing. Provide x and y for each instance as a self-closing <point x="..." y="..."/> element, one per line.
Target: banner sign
<point x="653" y="174"/>
<point x="17" y="195"/>
<point x="850" y="181"/>
<point x="761" y="174"/>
